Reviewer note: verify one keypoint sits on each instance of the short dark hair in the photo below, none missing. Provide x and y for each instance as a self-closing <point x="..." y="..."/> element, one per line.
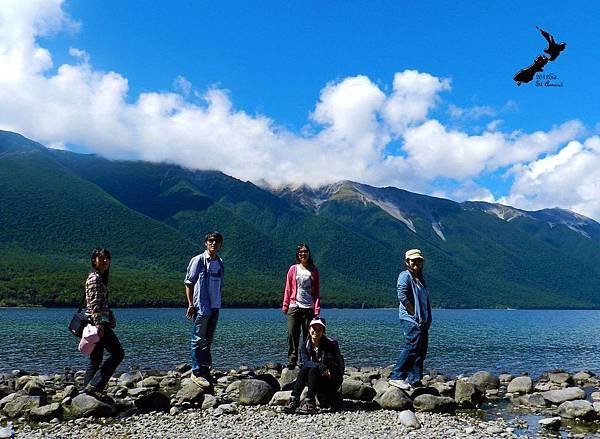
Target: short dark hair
<point x="214" y="235"/>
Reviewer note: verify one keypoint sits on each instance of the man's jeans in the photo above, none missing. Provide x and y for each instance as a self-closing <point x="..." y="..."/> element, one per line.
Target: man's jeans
<point x="412" y="354"/>
<point x="298" y="319"/>
<point x="97" y="373"/>
<point x="203" y="331"/>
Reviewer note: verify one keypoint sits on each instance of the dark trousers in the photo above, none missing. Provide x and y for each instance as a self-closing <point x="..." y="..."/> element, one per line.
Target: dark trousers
<point x="412" y="353"/>
<point x="98" y="373"/>
<point x="316" y="382"/>
<point x="298" y="320"/>
<point x="203" y="332"/>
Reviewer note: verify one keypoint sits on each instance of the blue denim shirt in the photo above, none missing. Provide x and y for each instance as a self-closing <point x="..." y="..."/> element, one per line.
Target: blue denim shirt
<point x="198" y="274"/>
<point x="409" y="290"/>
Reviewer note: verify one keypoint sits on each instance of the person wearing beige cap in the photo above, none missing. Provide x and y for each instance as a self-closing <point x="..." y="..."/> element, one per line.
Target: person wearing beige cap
<point x="415" y="319"/>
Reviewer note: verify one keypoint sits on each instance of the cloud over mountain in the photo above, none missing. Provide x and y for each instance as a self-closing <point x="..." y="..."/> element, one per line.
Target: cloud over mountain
<point x="358" y="130"/>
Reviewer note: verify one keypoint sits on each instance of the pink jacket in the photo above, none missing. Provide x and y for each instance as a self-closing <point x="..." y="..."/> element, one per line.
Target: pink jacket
<point x="289" y="293"/>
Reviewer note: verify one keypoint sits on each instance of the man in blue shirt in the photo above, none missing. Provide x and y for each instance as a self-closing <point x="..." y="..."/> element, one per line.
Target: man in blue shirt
<point x="414" y="309"/>
<point x="203" y="284"/>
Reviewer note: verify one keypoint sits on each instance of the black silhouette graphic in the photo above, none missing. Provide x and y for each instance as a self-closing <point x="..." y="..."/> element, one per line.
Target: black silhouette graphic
<point x="553" y="48"/>
<point x="526" y="75"/>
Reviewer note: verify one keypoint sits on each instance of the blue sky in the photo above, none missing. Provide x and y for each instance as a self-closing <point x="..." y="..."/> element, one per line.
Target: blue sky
<point x="415" y="95"/>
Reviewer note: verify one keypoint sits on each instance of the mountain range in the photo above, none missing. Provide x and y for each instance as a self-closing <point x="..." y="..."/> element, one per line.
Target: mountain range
<point x="56" y="206"/>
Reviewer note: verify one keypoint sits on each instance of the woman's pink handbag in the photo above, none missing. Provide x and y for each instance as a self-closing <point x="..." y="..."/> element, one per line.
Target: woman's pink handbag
<point x="89" y="339"/>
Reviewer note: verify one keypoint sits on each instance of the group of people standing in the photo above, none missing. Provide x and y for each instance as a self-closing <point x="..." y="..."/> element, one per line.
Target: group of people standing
<point x="318" y="357"/>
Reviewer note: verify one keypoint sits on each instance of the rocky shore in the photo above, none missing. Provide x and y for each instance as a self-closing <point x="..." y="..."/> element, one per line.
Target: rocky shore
<point x="248" y="402"/>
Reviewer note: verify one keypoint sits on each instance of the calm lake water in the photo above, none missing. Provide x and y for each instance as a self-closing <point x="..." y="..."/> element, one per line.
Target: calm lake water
<point x="461" y="341"/>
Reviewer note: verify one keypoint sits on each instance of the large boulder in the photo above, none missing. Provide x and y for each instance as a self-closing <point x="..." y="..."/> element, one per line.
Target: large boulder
<point x="552" y="424"/>
<point x="84" y="405"/>
<point x="270" y="380"/>
<point x="467" y="395"/>
<point x="394" y="399"/>
<point x="436" y="404"/>
<point x="150" y="382"/>
<point x="357" y="390"/>
<point x="561" y="395"/>
<point x="484" y="381"/>
<point x="254" y="392"/>
<point x="529" y="400"/>
<point x="46" y="412"/>
<point x="129" y="379"/>
<point x="21" y="405"/>
<point x="35" y="387"/>
<point x="190" y="393"/>
<point x="7" y="399"/>
<point x="577" y="409"/>
<point x="288" y="377"/>
<point x="281" y="398"/>
<point x="522" y="384"/>
<point x="153" y="402"/>
<point x="560" y="378"/>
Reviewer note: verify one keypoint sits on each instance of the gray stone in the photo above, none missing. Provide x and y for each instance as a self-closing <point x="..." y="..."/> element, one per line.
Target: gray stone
<point x="153" y="402"/>
<point x="530" y="400"/>
<point x="596" y="396"/>
<point x="577" y="409"/>
<point x="550" y="423"/>
<point x="46" y="412"/>
<point x="21" y="405"/>
<point x="444" y="389"/>
<point x="210" y="401"/>
<point x="560" y="378"/>
<point x="138" y="391"/>
<point x="281" y="398"/>
<point x="505" y="378"/>
<point x="190" y="393"/>
<point x="229" y="409"/>
<point x="254" y="392"/>
<point x="357" y="390"/>
<point x="467" y="395"/>
<point x="381" y="385"/>
<point x="4" y="391"/>
<point x="494" y="429"/>
<point x="394" y="399"/>
<point x="288" y="377"/>
<point x="484" y="380"/>
<point x="7" y="432"/>
<point x="270" y="380"/>
<point x="151" y="382"/>
<point x="84" y="405"/>
<point x="582" y="376"/>
<point x="7" y="399"/>
<point x="129" y="379"/>
<point x="233" y="388"/>
<point x="436" y="404"/>
<point x="561" y="395"/>
<point x="69" y="391"/>
<point x="409" y="420"/>
<point x="35" y="387"/>
<point x="522" y="384"/>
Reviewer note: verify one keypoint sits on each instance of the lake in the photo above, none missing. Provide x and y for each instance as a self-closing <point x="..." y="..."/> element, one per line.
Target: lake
<point x="461" y="341"/>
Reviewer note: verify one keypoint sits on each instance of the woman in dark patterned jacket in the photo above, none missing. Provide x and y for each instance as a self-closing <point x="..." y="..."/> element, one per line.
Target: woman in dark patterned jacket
<point x="100" y="315"/>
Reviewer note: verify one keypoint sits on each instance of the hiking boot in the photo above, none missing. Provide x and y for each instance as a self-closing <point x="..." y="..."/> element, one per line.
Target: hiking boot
<point x="200" y="381"/>
<point x="97" y="394"/>
<point x="309" y="407"/>
<point x="292" y="406"/>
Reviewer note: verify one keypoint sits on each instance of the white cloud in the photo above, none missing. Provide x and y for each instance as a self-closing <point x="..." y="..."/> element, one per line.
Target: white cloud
<point x="569" y="179"/>
<point x="352" y="124"/>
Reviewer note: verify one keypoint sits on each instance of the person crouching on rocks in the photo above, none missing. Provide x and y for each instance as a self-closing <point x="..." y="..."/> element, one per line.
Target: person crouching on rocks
<point x="100" y="315"/>
<point x="301" y="300"/>
<point x="415" y="320"/>
<point x="322" y="370"/>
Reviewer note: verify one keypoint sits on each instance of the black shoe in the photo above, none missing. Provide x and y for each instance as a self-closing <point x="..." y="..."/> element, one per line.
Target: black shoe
<point x="308" y="407"/>
<point x="292" y="406"/>
<point x="417" y="384"/>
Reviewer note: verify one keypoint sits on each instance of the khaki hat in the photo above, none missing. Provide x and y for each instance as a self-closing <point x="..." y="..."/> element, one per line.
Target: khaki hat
<point x="414" y="253"/>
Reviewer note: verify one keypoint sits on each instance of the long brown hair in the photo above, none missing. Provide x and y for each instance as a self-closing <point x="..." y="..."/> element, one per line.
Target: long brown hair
<point x="105" y="253"/>
<point x="311" y="265"/>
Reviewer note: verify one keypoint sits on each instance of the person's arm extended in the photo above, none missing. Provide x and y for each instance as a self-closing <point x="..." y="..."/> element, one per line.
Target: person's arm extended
<point x="189" y="293"/>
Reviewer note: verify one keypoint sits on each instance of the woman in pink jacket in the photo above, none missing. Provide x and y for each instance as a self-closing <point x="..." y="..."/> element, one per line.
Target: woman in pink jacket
<point x="301" y="300"/>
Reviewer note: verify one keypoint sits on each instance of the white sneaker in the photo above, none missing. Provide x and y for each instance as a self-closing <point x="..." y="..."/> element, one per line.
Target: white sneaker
<point x="401" y="384"/>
